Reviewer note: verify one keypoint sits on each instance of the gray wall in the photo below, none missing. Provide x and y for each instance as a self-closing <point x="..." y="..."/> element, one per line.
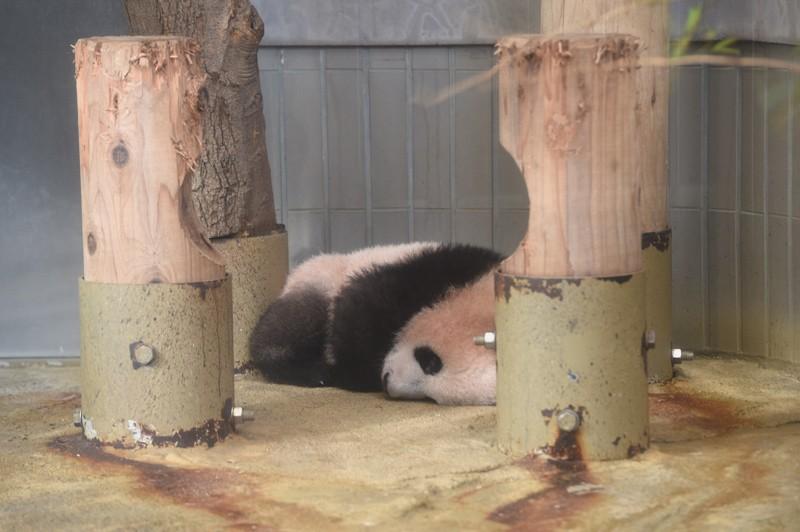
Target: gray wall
<point x="40" y="242"/>
<point x="358" y="158"/>
<point x="393" y="22"/>
<point x="735" y="197"/>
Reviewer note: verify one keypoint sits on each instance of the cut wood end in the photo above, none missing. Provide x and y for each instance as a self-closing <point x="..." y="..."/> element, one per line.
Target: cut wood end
<point x="133" y="39"/>
<point x="117" y="54"/>
<point x="607" y="46"/>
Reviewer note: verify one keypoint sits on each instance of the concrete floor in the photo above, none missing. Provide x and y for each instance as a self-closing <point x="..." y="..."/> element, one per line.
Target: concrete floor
<point x="725" y="455"/>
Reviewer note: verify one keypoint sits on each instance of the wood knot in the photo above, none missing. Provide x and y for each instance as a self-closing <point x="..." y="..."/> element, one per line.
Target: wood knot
<point x="120" y="155"/>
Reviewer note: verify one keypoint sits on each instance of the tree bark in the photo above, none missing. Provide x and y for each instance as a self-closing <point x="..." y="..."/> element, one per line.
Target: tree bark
<point x="232" y="188"/>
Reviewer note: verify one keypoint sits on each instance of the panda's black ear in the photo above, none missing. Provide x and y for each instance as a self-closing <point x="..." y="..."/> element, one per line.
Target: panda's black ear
<point x="428" y="360"/>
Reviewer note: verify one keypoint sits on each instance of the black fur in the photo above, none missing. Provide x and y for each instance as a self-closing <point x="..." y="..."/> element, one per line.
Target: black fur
<point x="428" y="360"/>
<point x="375" y="305"/>
<point x="289" y="339"/>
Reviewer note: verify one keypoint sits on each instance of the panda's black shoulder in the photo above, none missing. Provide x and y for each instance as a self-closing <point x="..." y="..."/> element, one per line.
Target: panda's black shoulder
<point x="455" y="263"/>
<point x="375" y="304"/>
<point x="424" y="277"/>
<point x="402" y="288"/>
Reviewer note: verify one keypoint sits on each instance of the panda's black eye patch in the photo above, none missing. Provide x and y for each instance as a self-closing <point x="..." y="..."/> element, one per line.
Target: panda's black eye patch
<point x="428" y="360"/>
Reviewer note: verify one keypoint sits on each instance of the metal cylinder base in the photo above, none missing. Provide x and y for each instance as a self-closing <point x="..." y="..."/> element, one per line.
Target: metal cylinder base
<point x="571" y="380"/>
<point x="259" y="266"/>
<point x="657" y="259"/>
<point x="156" y="363"/>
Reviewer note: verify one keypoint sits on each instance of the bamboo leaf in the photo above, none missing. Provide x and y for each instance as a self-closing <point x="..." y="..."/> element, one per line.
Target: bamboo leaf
<point x="725" y="47"/>
<point x="693" y="20"/>
<point x="689" y="29"/>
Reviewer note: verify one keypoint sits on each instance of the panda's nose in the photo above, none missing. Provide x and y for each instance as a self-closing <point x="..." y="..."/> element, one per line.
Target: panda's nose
<point x="385" y="381"/>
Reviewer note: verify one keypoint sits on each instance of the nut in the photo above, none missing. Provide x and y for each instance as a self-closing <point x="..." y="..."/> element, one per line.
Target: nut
<point x="568" y="420"/>
<point x="488" y="340"/>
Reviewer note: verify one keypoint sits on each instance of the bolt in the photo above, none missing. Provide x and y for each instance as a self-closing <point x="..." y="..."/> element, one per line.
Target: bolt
<point x="143" y="354"/>
<point x="650" y="339"/>
<point x="77" y="417"/>
<point x="679" y="356"/>
<point x="568" y="420"/>
<point x="488" y="340"/>
<point x="240" y="414"/>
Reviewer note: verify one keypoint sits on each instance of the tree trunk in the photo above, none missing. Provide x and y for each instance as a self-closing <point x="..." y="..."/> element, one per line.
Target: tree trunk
<point x="232" y="185"/>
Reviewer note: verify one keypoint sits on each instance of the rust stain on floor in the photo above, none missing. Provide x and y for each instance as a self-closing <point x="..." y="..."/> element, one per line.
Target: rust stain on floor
<point x="225" y="493"/>
<point x="553" y="507"/>
<point x="708" y="413"/>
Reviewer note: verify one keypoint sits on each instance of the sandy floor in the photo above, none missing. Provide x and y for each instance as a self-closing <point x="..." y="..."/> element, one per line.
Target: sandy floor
<point x="725" y="455"/>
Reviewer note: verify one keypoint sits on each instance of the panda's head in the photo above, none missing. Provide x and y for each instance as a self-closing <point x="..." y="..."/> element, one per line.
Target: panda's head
<point x="434" y="356"/>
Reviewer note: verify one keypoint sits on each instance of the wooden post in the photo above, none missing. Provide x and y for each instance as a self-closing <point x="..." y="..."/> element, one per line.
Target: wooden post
<point x="140" y="137"/>
<point x="649" y="21"/>
<point x="155" y="303"/>
<point x="571" y="379"/>
<point x="571" y="132"/>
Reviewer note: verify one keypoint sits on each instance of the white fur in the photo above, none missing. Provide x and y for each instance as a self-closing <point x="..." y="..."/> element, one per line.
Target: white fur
<point x="469" y="371"/>
<point x="330" y="272"/>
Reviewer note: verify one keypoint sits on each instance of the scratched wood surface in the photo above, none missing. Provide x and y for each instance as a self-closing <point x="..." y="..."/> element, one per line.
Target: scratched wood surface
<point x="567" y="118"/>
<point x="140" y="136"/>
<point x="649" y="21"/>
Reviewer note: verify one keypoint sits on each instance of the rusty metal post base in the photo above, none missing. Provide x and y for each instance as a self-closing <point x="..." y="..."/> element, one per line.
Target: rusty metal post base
<point x="657" y="261"/>
<point x="570" y="370"/>
<point x="259" y="266"/>
<point x="156" y="363"/>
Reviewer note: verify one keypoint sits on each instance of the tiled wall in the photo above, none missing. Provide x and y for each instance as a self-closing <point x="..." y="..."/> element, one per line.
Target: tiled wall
<point x="394" y="22"/>
<point x="735" y="197"/>
<point x="360" y="157"/>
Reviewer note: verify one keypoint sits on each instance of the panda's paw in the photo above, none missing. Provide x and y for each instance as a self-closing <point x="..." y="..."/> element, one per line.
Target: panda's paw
<point x="288" y="342"/>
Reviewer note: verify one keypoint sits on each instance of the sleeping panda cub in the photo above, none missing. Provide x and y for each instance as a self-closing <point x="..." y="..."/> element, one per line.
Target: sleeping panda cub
<point x="395" y="318"/>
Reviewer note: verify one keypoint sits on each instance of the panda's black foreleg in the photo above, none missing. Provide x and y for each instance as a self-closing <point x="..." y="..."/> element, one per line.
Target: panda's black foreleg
<point x="288" y="343"/>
